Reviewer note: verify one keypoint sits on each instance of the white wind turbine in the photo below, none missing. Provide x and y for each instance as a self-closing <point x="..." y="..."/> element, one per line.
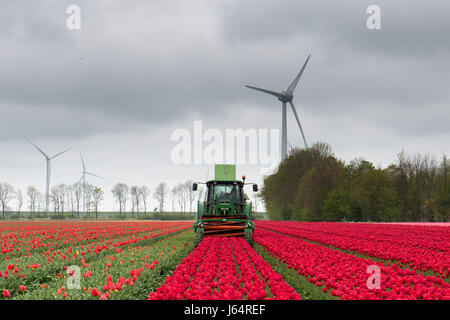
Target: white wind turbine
<point x="286" y="97"/>
<point x="83" y="179"/>
<point x="48" y="160"/>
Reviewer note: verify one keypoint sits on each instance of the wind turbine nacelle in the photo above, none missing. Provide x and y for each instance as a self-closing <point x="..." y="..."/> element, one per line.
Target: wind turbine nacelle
<point x="287" y="97"/>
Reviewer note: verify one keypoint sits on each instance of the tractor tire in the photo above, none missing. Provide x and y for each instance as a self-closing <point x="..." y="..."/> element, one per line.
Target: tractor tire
<point x="249" y="238"/>
<point x="199" y="238"/>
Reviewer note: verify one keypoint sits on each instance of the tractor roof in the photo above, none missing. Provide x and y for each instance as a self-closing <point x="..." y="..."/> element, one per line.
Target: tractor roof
<point x="225" y="181"/>
<point x="225" y="172"/>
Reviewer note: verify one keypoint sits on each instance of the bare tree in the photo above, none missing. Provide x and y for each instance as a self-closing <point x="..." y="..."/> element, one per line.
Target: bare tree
<point x="201" y="194"/>
<point x="6" y="195"/>
<point x="189" y="193"/>
<point x="181" y="196"/>
<point x="173" y="197"/>
<point x="89" y="197"/>
<point x="135" y="199"/>
<point x="62" y="190"/>
<point x="71" y="199"/>
<point x="144" y="192"/>
<point x="133" y="202"/>
<point x="58" y="197"/>
<point x="40" y="203"/>
<point x="120" y="192"/>
<point x="443" y="192"/>
<point x="431" y="170"/>
<point x="54" y="197"/>
<point x="33" y="194"/>
<point x="77" y="194"/>
<point x="160" y="195"/>
<point x="19" y="198"/>
<point x="444" y="171"/>
<point x="256" y="202"/>
<point x="97" y="196"/>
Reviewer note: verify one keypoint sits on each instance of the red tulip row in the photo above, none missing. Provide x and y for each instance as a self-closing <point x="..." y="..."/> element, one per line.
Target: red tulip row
<point x="106" y="276"/>
<point x="24" y="266"/>
<point x="348" y="276"/>
<point x="23" y="237"/>
<point x="223" y="269"/>
<point x="420" y="247"/>
<point x="433" y="237"/>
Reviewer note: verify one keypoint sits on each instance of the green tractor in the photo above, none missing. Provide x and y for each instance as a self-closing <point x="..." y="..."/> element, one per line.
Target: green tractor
<point x="226" y="211"/>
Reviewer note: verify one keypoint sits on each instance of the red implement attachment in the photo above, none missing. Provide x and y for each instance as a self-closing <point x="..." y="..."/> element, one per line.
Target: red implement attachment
<point x="224" y="226"/>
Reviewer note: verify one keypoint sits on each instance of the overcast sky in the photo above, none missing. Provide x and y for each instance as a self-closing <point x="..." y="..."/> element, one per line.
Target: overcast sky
<point x="137" y="70"/>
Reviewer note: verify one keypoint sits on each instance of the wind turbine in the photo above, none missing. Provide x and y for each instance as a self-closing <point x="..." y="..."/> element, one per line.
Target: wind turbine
<point x="83" y="179"/>
<point x="48" y="159"/>
<point x="286" y="97"/>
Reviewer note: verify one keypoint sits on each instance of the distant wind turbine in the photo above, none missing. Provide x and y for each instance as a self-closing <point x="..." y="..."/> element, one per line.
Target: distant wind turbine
<point x="83" y="179"/>
<point x="48" y="159"/>
<point x="286" y="97"/>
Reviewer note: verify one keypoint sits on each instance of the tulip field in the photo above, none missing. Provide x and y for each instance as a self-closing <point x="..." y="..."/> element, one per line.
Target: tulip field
<point x="224" y="268"/>
<point x="130" y="260"/>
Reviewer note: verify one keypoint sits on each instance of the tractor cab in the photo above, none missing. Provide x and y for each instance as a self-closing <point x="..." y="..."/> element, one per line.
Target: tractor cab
<point x="226" y="211"/>
<point x="225" y="198"/>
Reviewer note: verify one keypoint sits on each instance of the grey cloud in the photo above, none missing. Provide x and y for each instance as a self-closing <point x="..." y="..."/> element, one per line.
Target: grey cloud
<point x="151" y="62"/>
<point x="408" y="28"/>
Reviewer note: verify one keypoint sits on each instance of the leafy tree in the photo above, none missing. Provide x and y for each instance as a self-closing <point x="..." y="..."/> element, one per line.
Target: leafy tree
<point x="312" y="185"/>
<point x="376" y="195"/>
<point x="280" y="188"/>
<point x="352" y="174"/>
<point x="442" y="193"/>
<point x="337" y="206"/>
<point x="315" y="185"/>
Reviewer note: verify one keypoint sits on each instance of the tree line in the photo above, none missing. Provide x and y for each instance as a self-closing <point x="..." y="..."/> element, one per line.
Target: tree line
<point x="68" y="199"/>
<point x="63" y="199"/>
<point x="180" y="197"/>
<point x="313" y="185"/>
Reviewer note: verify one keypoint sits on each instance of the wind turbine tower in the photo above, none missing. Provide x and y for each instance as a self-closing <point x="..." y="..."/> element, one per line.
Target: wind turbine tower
<point x="286" y="97"/>
<point x="83" y="179"/>
<point x="47" y="184"/>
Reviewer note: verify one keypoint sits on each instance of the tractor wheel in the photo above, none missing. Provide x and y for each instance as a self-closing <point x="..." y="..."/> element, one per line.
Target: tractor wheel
<point x="249" y="238"/>
<point x="199" y="238"/>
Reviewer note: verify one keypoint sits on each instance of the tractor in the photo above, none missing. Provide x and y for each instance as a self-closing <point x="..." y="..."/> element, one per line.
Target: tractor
<point x="226" y="211"/>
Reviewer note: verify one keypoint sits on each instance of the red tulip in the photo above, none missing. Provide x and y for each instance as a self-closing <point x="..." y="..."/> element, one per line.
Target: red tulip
<point x="95" y="292"/>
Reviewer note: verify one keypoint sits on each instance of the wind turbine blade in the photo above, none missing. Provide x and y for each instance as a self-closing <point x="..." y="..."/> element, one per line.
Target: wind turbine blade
<point x="60" y="153"/>
<point x="298" y="121"/>
<point x="274" y="93"/>
<point x="38" y="149"/>
<point x="91" y="174"/>
<point x="79" y="181"/>
<point x="291" y="88"/>
<point x="82" y="161"/>
<point x="290" y="145"/>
